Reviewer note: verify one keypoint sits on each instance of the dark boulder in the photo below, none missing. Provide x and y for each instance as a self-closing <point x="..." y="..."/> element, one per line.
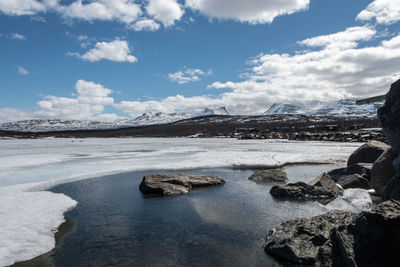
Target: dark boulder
<point x="340" y="238"/>
<point x="362" y="169"/>
<point x="299" y="241"/>
<point x="302" y="192"/>
<point x="389" y="116"/>
<point x="367" y="153"/>
<point x="354" y="181"/>
<point x="176" y="184"/>
<point x="392" y="189"/>
<point x="325" y="181"/>
<point x="383" y="170"/>
<point x="269" y="176"/>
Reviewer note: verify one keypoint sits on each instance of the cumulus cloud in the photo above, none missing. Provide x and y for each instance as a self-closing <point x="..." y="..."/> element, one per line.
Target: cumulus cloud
<point x="125" y="11"/>
<point x="252" y="11"/>
<point x="187" y="75"/>
<point x="166" y="11"/>
<point x="384" y="11"/>
<point x="345" y="39"/>
<point x="21" y="7"/>
<point x="12" y="114"/>
<point x="117" y="50"/>
<point x="89" y="102"/>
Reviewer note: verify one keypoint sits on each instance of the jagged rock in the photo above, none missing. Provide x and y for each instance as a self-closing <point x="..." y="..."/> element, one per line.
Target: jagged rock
<point x="392" y="189"/>
<point x="299" y="241"/>
<point x="383" y="170"/>
<point x="302" y="192"/>
<point x="389" y="115"/>
<point x="367" y="153"/>
<point x="340" y="238"/>
<point x="325" y="181"/>
<point x="354" y="181"/>
<point x="362" y="169"/>
<point x="176" y="184"/>
<point x="269" y="176"/>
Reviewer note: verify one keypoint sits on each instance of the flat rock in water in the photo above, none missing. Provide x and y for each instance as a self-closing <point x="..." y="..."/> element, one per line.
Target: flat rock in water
<point x="302" y="192"/>
<point x="269" y="176"/>
<point x="367" y="153"/>
<point x="176" y="184"/>
<point x="340" y="238"/>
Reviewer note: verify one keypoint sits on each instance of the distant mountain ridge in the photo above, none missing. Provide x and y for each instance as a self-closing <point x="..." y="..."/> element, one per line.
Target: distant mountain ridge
<point x="340" y="108"/>
<point x="346" y="107"/>
<point x="148" y="118"/>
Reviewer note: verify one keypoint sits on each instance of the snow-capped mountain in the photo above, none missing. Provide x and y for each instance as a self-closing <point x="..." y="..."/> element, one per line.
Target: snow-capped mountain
<point x="276" y="109"/>
<point x="346" y="107"/>
<point x="148" y="118"/>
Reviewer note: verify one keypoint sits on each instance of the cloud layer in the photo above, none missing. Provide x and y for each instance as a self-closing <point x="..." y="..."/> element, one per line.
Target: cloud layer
<point x="145" y="15"/>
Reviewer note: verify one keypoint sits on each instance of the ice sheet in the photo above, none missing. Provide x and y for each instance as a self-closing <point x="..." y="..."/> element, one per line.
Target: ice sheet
<point x="29" y="216"/>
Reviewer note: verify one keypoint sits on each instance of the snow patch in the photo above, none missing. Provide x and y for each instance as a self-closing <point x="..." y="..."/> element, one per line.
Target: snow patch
<point x="29" y="221"/>
<point x="354" y="200"/>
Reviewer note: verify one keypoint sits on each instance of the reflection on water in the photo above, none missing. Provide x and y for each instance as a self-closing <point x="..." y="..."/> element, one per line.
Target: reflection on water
<point x="218" y="226"/>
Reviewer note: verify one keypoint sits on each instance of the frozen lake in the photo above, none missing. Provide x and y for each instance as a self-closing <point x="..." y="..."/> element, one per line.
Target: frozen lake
<point x="30" y="216"/>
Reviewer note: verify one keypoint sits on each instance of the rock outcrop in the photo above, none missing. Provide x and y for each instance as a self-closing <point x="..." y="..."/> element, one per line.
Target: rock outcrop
<point x="354" y="181"/>
<point x="367" y="153"/>
<point x="392" y="189"/>
<point x="269" y="176"/>
<point x="389" y="116"/>
<point x="302" y="192"/>
<point x="176" y="184"/>
<point x="383" y="170"/>
<point x="340" y="238"/>
<point x="362" y="169"/>
<point x="326" y="182"/>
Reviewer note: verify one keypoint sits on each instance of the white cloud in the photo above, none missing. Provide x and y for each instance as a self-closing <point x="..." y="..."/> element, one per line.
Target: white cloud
<point x="17" y="36"/>
<point x="252" y="11"/>
<point x="12" y="114"/>
<point x="117" y="50"/>
<point x="384" y="11"/>
<point x="21" y="7"/>
<point x="89" y="102"/>
<point x="345" y="39"/>
<point x="125" y="11"/>
<point x="166" y="11"/>
<point x="187" y="75"/>
<point x="145" y="25"/>
<point x="22" y="70"/>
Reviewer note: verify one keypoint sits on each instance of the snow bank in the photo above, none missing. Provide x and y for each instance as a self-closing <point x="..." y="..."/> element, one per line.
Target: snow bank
<point x="29" y="221"/>
<point x="30" y="216"/>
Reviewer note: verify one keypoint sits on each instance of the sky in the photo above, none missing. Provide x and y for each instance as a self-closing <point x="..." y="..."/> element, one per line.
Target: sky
<point x="116" y="59"/>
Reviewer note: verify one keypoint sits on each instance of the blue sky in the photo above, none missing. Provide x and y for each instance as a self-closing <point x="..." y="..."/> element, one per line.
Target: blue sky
<point x="111" y="59"/>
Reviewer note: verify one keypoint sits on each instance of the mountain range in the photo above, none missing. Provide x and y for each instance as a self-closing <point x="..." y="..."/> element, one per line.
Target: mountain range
<point x="341" y="108"/>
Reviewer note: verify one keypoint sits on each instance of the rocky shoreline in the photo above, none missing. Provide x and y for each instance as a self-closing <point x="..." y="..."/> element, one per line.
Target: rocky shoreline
<point x="341" y="238"/>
